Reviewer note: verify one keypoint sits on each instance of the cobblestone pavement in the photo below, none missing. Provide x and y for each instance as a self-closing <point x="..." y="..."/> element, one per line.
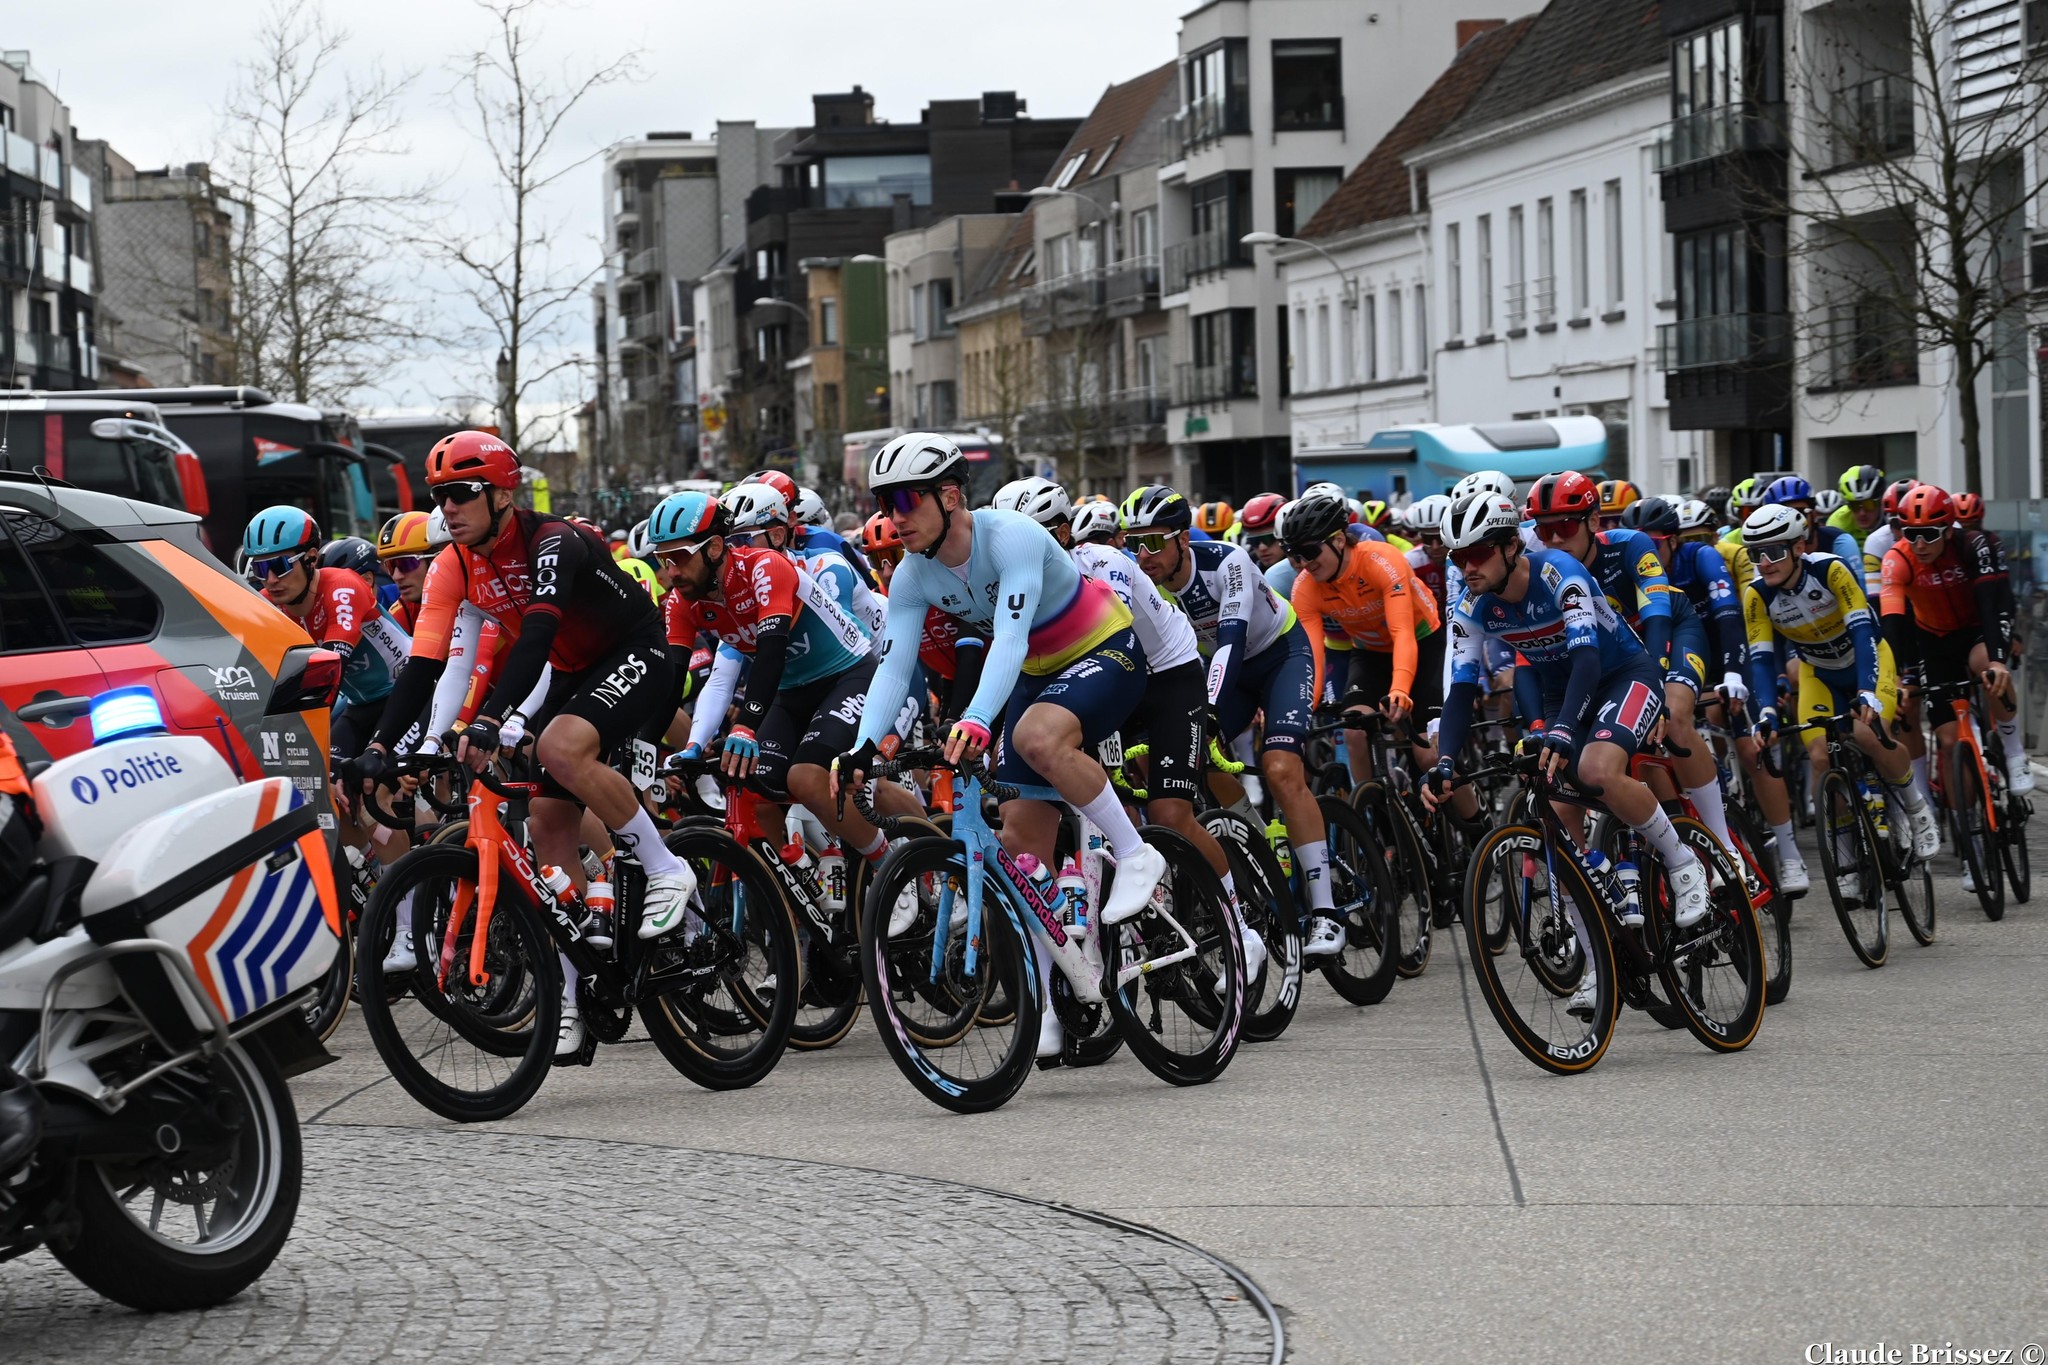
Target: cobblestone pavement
<point x="434" y="1246"/>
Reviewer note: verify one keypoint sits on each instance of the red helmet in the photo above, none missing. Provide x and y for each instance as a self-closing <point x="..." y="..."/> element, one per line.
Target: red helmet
<point x="1260" y="513"/>
<point x="778" y="481"/>
<point x="1969" y="509"/>
<point x="1927" y="506"/>
<point x="1897" y="491"/>
<point x="879" y="535"/>
<point x="473" y="455"/>
<point x="1568" y="494"/>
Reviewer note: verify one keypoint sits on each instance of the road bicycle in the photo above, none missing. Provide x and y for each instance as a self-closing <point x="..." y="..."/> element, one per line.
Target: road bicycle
<point x="1529" y="891"/>
<point x="1171" y="977"/>
<point x="1980" y="805"/>
<point x="474" y="1036"/>
<point x="1385" y="800"/>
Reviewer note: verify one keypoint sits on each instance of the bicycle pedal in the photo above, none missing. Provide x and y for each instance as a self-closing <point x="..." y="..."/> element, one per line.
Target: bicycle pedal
<point x="1057" y="1059"/>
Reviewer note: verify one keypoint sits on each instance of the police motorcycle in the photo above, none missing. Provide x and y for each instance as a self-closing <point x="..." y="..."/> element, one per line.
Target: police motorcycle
<point x="162" y="924"/>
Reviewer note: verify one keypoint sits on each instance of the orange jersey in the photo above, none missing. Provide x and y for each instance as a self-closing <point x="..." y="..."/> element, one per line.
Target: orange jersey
<point x="1377" y="602"/>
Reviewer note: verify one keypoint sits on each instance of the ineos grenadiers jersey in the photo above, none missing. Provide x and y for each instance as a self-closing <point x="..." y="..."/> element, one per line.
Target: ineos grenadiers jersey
<point x="1166" y="633"/>
<point x="1019" y="588"/>
<point x="1563" y="610"/>
<point x="347" y="619"/>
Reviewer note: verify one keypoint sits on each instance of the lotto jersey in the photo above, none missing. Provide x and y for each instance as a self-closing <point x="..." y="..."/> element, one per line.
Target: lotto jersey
<point x="347" y="619"/>
<point x="759" y="586"/>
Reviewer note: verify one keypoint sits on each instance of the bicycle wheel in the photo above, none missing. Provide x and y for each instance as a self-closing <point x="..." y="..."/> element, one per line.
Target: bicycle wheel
<point x="1174" y="972"/>
<point x="1363" y="893"/>
<point x="985" y="1066"/>
<point x="937" y="1006"/>
<point x="2012" y="849"/>
<point x="1556" y="933"/>
<point x="327" y="1007"/>
<point x="1773" y="907"/>
<point x="1976" y="839"/>
<point x="1409" y="870"/>
<point x="1272" y="997"/>
<point x="1713" y="972"/>
<point x="722" y="1023"/>
<point x="1849" y="865"/>
<point x="445" y="1040"/>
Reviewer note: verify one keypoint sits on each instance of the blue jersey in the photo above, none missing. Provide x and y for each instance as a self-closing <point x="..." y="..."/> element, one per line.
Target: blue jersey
<point x="1698" y="571"/>
<point x="1563" y="611"/>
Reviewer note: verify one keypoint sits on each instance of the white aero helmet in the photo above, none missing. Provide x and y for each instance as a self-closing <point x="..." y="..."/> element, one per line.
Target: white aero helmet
<point x="1478" y="517"/>
<point x="1774" y="524"/>
<point x="810" y="508"/>
<point x="1826" y="501"/>
<point x="1040" y="499"/>
<point x="1695" y="515"/>
<point x="1326" y="489"/>
<point x="1280" y="517"/>
<point x="437" y="530"/>
<point x="1428" y="512"/>
<point x="1092" y="519"/>
<point x="754" y="507"/>
<point x="913" y="460"/>
<point x="637" y="543"/>
<point x="1485" y="481"/>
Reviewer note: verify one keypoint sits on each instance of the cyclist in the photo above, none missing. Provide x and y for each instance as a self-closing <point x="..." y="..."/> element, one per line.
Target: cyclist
<point x="1827" y="502"/>
<point x="1946" y="606"/>
<point x="1970" y="517"/>
<point x="1430" y="561"/>
<point x="1615" y="496"/>
<point x="882" y="547"/>
<point x="551" y="587"/>
<point x="1260" y="660"/>
<point x="1816" y="602"/>
<point x="1600" y="692"/>
<point x="761" y="518"/>
<point x="1261" y="539"/>
<point x="403" y="548"/>
<point x="1174" y="696"/>
<point x="1097" y="523"/>
<point x="1064" y="666"/>
<point x="1214" y="518"/>
<point x="1743" y="499"/>
<point x="1790" y="490"/>
<point x="806" y="540"/>
<point x="1715" y="496"/>
<point x="1861" y="512"/>
<point x="1375" y="515"/>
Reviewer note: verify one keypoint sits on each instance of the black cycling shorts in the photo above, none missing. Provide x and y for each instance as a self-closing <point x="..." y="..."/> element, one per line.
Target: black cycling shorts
<point x="1172" y="709"/>
<point x="1372" y="672"/>
<point x="819" y="721"/>
<point x="1945" y="659"/>
<point x="619" y="696"/>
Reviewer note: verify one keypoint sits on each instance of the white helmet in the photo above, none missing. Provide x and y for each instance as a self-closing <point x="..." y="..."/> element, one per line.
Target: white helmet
<point x="1280" y="517"/>
<point x="1774" y="524"/>
<point x="1485" y="481"/>
<point x="1477" y="517"/>
<point x="1695" y="515"/>
<point x="437" y="530"/>
<point x="1428" y="512"/>
<point x="1826" y="501"/>
<point x="810" y="508"/>
<point x="1092" y="519"/>
<point x="1327" y="488"/>
<point x="754" y="507"/>
<point x="637" y="544"/>
<point x="1040" y="499"/>
<point x="914" y="460"/>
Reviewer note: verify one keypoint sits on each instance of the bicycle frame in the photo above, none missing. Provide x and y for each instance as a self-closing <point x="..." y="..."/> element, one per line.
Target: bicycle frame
<point x="1758" y="887"/>
<point x="1969" y="735"/>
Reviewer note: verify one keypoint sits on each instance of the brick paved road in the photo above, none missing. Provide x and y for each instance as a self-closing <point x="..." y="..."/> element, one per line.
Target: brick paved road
<point x="430" y="1246"/>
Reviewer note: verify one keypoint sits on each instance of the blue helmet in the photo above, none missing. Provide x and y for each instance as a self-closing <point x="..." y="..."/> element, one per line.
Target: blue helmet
<point x="1789" y="488"/>
<point x="684" y="516"/>
<point x="354" y="554"/>
<point x="279" y="530"/>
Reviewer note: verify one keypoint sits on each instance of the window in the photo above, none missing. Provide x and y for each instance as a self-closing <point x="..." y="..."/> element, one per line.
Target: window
<point x="1713" y="273"/>
<point x="939" y="295"/>
<point x="1397" y="360"/>
<point x="1325" y="368"/>
<point x="919" y="319"/>
<point x="1421" y="326"/>
<point x="945" y="409"/>
<point x="1615" y="264"/>
<point x="828" y="322"/>
<point x="1071" y="169"/>
<point x="1059" y="256"/>
<point x="873" y="182"/>
<point x="1369" y="337"/>
<point x="1454" y="284"/>
<point x="100" y="601"/>
<point x="1518" y="285"/>
<point x="1485" y="275"/>
<point x="1308" y="84"/>
<point x="1297" y="194"/>
<point x="1707" y="70"/>
<point x="1220" y="214"/>
<point x="924" y="397"/>
<point x="1150" y="364"/>
<point x="1226" y="357"/>
<point x="1107" y="153"/>
<point x="1218" y="86"/>
<point x="28" y="623"/>
<point x="1546" y="262"/>
<point x="1582" y="289"/>
<point x="1345" y="324"/>
<point x="1144" y="235"/>
<point x="1297" y="352"/>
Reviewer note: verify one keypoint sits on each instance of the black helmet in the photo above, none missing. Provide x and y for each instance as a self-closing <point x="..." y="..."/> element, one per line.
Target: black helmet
<point x="1313" y="519"/>
<point x="1155" y="507"/>
<point x="351" y="552"/>
<point x="1651" y="516"/>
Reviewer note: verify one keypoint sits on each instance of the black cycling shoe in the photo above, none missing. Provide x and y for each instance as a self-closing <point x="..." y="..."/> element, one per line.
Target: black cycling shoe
<point x="21" y="1124"/>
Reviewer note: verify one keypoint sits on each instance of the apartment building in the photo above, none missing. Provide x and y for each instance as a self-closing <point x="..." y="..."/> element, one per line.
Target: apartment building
<point x="1277" y="103"/>
<point x="164" y="243"/>
<point x="47" y="308"/>
<point x="930" y="271"/>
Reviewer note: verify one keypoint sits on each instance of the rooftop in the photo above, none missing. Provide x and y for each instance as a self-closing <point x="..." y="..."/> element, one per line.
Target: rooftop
<point x="1570" y="47"/>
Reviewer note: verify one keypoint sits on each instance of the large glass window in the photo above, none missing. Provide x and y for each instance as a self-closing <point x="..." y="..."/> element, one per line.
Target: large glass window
<point x="1454" y="284"/>
<point x="1707" y="69"/>
<point x="26" y="621"/>
<point x="1308" y="84"/>
<point x="873" y="182"/>
<point x="1297" y="194"/>
<point x="1218" y="88"/>
<point x="1485" y="274"/>
<point x="1713" y="273"/>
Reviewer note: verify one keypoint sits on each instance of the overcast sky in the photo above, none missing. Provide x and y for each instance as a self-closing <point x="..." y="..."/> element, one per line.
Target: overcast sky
<point x="151" y="78"/>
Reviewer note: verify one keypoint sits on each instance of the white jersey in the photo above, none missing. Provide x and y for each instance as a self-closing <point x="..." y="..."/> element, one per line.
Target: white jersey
<point x="465" y="641"/>
<point x="1164" y="630"/>
<point x="1875" y="546"/>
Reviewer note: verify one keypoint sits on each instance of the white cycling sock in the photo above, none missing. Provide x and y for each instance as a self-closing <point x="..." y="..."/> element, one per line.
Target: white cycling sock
<point x="405" y="915"/>
<point x="1314" y="860"/>
<point x="1663" y="837"/>
<point x="644" y="841"/>
<point x="1910" y="794"/>
<point x="1108" y="814"/>
<point x="2009" y="731"/>
<point x="1707" y="801"/>
<point x="569" y="978"/>
<point x="1230" y="887"/>
<point x="1788" y="843"/>
<point x="1920" y="771"/>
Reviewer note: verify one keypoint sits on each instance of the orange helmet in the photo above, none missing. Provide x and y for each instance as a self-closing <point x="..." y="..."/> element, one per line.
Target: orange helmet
<point x="1895" y="493"/>
<point x="879" y="536"/>
<point x="1927" y="506"/>
<point x="1969" y="509"/>
<point x="1616" y="494"/>
<point x="1214" y="517"/>
<point x="404" y="534"/>
<point x="473" y="455"/>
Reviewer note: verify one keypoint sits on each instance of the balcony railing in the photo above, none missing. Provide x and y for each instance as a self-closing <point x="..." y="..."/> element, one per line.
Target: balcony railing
<point x="1725" y="339"/>
<point x="1719" y="131"/>
<point x="1197" y="384"/>
<point x="1205" y="121"/>
<point x="21" y="153"/>
<point x="1131" y="286"/>
<point x="1545" y="296"/>
<point x="1302" y="113"/>
<point x="640" y="329"/>
<point x="1517" y="305"/>
<point x="79" y="274"/>
<point x="1872" y="120"/>
<point x="644" y="388"/>
<point x="52" y="168"/>
<point x="646" y="262"/>
<point x="1145" y="407"/>
<point x="79" y="188"/>
<point x="1201" y="255"/>
<point x="1867" y="344"/>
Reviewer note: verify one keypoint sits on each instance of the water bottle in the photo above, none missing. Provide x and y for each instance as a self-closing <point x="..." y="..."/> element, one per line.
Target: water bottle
<point x="1073" y="889"/>
<point x="558" y="884"/>
<point x="1873" y="801"/>
<point x="593" y="866"/>
<point x="1039" y="884"/>
<point x="1629" y="879"/>
<point x="599" y="899"/>
<point x="1602" y="874"/>
<point x="832" y="876"/>
<point x="1283" y="849"/>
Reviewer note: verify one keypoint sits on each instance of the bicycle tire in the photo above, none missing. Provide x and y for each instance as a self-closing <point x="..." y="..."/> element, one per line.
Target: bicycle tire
<point x="1975" y="838"/>
<point x="1273" y="997"/>
<point x="1848" y="848"/>
<point x="1363" y="971"/>
<point x="1408" y="867"/>
<point x="1509" y="981"/>
<point x="1006" y="951"/>
<point x="1774" y="920"/>
<point x="329" y="1005"/>
<point x="690" y="1026"/>
<point x="1206" y="989"/>
<point x="952" y="1003"/>
<point x="1722" y="1008"/>
<point x="2012" y="848"/>
<point x="515" y="930"/>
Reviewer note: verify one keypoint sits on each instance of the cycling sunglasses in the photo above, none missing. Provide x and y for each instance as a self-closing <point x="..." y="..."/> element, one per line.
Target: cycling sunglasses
<point x="405" y="563"/>
<point x="678" y="555"/>
<point x="1925" y="535"/>
<point x="271" y="566"/>
<point x="1428" y="538"/>
<point x="1550" y="532"/>
<point x="1297" y="554"/>
<point x="901" y="502"/>
<point x="459" y="491"/>
<point x="1256" y="542"/>
<point x="1153" y="543"/>
<point x="1770" y="554"/>
<point x="1470" y="557"/>
<point x="891" y="556"/>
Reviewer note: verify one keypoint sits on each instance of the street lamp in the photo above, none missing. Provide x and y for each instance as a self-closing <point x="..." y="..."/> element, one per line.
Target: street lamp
<point x="765" y="302"/>
<point x="1275" y="239"/>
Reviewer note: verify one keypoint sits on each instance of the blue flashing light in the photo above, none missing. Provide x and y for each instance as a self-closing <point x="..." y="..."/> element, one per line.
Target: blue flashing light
<point x="123" y="712"/>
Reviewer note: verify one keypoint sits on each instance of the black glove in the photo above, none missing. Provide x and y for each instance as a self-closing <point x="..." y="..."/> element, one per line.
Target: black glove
<point x="1439" y="778"/>
<point x="850" y="770"/>
<point x="1558" y="738"/>
<point x="372" y="765"/>
<point x="482" y="734"/>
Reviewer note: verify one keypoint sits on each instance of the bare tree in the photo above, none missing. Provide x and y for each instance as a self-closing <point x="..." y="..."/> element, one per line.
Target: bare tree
<point x="1907" y="199"/>
<point x="505" y="270"/>
<point x="320" y="312"/>
<point x="1004" y="378"/>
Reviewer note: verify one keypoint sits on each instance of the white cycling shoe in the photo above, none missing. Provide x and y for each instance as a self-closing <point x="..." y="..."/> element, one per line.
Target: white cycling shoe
<point x="1586" y="997"/>
<point x="1792" y="874"/>
<point x="2021" y="776"/>
<point x="1689" y="892"/>
<point x="1051" y="1037"/>
<point x="905" y="912"/>
<point x="1969" y="880"/>
<point x="667" y="904"/>
<point x="1326" y="938"/>
<point x="1926" y="831"/>
<point x="1254" y="952"/>
<point x="1136" y="876"/>
<point x="569" y="1037"/>
<point x="402" y="958"/>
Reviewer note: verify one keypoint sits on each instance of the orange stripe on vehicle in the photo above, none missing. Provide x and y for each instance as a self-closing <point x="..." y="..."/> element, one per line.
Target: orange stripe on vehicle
<point x="202" y="942"/>
<point x="313" y="848"/>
